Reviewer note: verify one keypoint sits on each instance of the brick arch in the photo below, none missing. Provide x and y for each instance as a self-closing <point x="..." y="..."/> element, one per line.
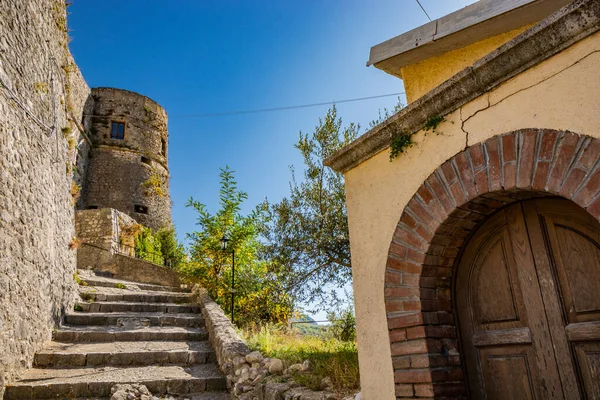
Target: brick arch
<point x="454" y="200"/>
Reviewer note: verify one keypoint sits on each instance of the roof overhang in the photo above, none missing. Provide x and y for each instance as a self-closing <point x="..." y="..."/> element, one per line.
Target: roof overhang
<point x="547" y="38"/>
<point x="479" y="21"/>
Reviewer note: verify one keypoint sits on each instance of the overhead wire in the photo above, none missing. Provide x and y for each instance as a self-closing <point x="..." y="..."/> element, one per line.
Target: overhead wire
<point x="422" y="8"/>
<point x="272" y="109"/>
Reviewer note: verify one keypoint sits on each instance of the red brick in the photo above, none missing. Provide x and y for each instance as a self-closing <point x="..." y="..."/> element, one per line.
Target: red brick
<point x="439" y="190"/>
<point x="429" y="282"/>
<point x="448" y="172"/>
<point x="409" y="347"/>
<point x="440" y="332"/>
<point x="398" y="250"/>
<point x="404" y="321"/>
<point x="589" y="191"/>
<point x="416" y="332"/>
<point x="393" y="278"/>
<point x="451" y="252"/>
<point x="425" y="194"/>
<point x="575" y="178"/>
<point x="491" y="146"/>
<point x="403" y="390"/>
<point x="527" y="159"/>
<point x="415" y="255"/>
<point x="411" y="305"/>
<point x="422" y="214"/>
<point x="594" y="209"/>
<point x="481" y="182"/>
<point x="564" y="156"/>
<point x="413" y="376"/>
<point x="508" y="148"/>
<point x="408" y="220"/>
<point x="423" y="232"/>
<point x="430" y="318"/>
<point x="465" y="174"/>
<point x="394" y="305"/>
<point x="476" y="153"/>
<point x="424" y="390"/>
<point x="510" y="176"/>
<point x="430" y="294"/>
<point x="397" y="335"/>
<point x="447" y="375"/>
<point x="402" y="292"/>
<point x="451" y="389"/>
<point x="458" y="194"/>
<point x="404" y="266"/>
<point x="541" y="175"/>
<point x="436" y="305"/>
<point x="410" y="238"/>
<point x="547" y="144"/>
<point x="445" y="318"/>
<point x="411" y="279"/>
<point x="434" y="361"/>
<point x="590" y="154"/>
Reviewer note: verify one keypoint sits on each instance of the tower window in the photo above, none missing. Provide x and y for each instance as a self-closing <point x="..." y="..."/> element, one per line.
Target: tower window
<point x="140" y="209"/>
<point x="146" y="160"/>
<point x="117" y="130"/>
<point x="92" y="207"/>
<point x="163" y="149"/>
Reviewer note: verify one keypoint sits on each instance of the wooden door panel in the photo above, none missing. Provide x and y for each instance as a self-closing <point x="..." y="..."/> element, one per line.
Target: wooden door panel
<point x="588" y="360"/>
<point x="493" y="298"/>
<point x="510" y="373"/>
<point x="502" y="328"/>
<point x="572" y="259"/>
<point x="575" y="249"/>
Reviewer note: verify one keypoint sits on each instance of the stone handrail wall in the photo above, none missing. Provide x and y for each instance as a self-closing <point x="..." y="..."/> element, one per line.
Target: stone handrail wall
<point x="245" y="370"/>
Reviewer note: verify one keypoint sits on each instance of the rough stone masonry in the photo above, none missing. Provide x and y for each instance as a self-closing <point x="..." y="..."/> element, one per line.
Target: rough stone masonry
<point x="48" y="138"/>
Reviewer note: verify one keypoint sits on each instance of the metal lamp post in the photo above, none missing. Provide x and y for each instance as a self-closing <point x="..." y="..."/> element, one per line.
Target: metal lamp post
<point x="224" y="243"/>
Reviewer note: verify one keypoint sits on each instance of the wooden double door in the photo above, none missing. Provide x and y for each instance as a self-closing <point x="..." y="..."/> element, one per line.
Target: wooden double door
<point x="528" y="303"/>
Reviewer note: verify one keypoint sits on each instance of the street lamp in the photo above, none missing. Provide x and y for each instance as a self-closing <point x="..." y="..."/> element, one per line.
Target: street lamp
<point x="224" y="242"/>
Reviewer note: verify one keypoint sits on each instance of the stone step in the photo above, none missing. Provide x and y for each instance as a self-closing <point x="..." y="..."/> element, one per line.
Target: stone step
<point x="115" y="334"/>
<point x="58" y="354"/>
<point x="99" y="281"/>
<point x="114" y="294"/>
<point x="123" y="306"/>
<point x="135" y="319"/>
<point x="97" y="382"/>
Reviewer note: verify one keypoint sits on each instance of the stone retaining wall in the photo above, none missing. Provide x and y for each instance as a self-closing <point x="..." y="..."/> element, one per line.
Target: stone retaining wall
<point x="247" y="372"/>
<point x="101" y="249"/>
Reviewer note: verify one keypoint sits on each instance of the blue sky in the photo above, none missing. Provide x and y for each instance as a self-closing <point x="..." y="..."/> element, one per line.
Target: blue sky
<point x="196" y="57"/>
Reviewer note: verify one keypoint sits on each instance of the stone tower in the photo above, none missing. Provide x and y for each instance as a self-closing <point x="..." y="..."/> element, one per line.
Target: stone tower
<point x="128" y="162"/>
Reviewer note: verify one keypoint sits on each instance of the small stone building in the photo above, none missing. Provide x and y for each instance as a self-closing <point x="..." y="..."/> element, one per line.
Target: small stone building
<point x="476" y="251"/>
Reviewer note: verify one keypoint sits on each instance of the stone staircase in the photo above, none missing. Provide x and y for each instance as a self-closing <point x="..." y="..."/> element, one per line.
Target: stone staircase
<point x="125" y="333"/>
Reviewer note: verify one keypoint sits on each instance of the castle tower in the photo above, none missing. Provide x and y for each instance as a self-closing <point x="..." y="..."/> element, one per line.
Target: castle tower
<point x="128" y="167"/>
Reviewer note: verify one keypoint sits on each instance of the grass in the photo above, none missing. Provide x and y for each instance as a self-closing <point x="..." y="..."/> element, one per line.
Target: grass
<point x="121" y="286"/>
<point x="329" y="357"/>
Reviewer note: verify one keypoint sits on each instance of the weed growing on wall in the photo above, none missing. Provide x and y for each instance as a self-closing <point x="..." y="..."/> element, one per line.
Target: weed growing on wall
<point x="156" y="184"/>
<point x="399" y="145"/>
<point x="432" y="123"/>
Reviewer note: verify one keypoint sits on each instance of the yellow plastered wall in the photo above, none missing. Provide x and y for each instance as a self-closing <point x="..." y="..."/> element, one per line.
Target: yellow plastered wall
<point x="560" y="93"/>
<point x="420" y="78"/>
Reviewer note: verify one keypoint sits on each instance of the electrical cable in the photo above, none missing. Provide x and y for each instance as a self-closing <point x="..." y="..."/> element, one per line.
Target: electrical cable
<point x="263" y="110"/>
<point x="422" y="8"/>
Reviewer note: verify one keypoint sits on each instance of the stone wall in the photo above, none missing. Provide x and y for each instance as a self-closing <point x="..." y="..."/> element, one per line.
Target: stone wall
<point x="103" y="249"/>
<point x="249" y="375"/>
<point x="129" y="172"/>
<point x="42" y="100"/>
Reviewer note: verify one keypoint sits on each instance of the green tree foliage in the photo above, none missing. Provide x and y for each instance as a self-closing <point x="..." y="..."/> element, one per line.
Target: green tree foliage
<point x="343" y="324"/>
<point x="260" y="296"/>
<point x="160" y="247"/>
<point x="308" y="232"/>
